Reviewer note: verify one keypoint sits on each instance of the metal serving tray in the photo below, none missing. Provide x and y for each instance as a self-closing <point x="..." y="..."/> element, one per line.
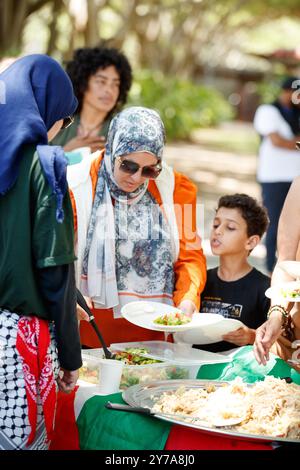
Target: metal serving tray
<point x="147" y="394"/>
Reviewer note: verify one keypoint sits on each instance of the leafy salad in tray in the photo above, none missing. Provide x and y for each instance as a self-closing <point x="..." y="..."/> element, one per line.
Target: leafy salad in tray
<point x="132" y="357"/>
<point x="134" y="375"/>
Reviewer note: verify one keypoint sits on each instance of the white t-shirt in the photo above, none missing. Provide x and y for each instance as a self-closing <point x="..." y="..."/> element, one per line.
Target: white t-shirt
<point x="276" y="164"/>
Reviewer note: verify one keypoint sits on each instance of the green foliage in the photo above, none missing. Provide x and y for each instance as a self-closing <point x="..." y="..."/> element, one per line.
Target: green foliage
<point x="269" y="90"/>
<point x="182" y="104"/>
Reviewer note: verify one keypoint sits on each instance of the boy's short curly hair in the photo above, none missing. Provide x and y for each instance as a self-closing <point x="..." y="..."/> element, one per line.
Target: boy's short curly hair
<point x="255" y="215"/>
<point x="88" y="60"/>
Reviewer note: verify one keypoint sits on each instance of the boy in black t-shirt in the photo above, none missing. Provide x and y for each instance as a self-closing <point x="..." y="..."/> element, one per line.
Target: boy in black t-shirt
<point x="235" y="289"/>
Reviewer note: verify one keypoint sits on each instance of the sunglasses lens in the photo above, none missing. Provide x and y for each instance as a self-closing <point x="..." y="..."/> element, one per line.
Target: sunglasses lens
<point x="129" y="167"/>
<point x="151" y="172"/>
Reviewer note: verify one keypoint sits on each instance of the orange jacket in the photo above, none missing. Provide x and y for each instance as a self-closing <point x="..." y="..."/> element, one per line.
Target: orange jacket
<point x="190" y="267"/>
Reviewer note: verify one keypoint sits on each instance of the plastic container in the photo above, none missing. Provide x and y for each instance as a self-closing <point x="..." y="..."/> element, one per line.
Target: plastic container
<point x="135" y="374"/>
<point x="175" y="353"/>
<point x="97" y="370"/>
<point x="178" y="362"/>
<point x="90" y="370"/>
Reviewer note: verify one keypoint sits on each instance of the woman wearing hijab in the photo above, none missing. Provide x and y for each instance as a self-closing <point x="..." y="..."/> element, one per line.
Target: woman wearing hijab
<point x="38" y="326"/>
<point x="136" y="240"/>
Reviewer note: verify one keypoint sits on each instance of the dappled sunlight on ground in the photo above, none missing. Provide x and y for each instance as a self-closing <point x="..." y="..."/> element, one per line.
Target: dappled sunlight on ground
<point x="232" y="136"/>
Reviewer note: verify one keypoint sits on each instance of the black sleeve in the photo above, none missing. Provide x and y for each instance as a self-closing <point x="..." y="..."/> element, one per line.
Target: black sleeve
<point x="265" y="302"/>
<point x="57" y="286"/>
<point x="262" y="304"/>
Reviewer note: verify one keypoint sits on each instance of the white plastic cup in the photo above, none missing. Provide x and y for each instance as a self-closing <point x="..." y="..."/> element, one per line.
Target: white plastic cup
<point x="110" y="376"/>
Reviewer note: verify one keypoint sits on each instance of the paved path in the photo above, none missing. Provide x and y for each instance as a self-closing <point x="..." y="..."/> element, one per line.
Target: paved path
<point x="216" y="173"/>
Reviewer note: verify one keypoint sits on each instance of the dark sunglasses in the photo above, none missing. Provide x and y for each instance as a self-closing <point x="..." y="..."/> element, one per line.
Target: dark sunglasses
<point x="129" y="167"/>
<point x="67" y="122"/>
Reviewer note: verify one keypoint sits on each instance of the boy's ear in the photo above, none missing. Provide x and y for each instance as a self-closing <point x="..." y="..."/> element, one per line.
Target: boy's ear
<point x="252" y="242"/>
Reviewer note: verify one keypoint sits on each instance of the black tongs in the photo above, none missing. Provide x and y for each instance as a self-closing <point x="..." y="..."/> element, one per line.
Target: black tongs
<point x="82" y="302"/>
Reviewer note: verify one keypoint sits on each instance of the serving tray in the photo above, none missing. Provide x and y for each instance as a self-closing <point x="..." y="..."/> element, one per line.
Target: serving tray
<point x="146" y="396"/>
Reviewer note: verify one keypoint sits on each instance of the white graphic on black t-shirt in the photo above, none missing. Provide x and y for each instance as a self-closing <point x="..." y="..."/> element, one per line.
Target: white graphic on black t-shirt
<point x="222" y="308"/>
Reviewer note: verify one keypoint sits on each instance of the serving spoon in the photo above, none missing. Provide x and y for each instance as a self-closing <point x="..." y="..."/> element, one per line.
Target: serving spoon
<point x="82" y="302"/>
<point x="218" y="422"/>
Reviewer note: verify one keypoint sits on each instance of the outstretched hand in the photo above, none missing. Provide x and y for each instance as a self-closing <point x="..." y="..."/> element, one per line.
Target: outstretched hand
<point x="95" y="143"/>
<point x="266" y="335"/>
<point x="241" y="336"/>
<point x="187" y="307"/>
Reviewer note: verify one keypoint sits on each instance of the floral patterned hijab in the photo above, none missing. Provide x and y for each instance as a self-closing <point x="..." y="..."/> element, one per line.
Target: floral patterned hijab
<point x="135" y="129"/>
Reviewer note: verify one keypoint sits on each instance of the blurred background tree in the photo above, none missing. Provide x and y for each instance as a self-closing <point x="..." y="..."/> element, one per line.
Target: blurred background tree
<point x="182" y="42"/>
<point x="183" y="105"/>
<point x="185" y="32"/>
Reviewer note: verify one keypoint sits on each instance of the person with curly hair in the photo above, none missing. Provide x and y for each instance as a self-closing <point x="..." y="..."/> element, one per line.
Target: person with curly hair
<point x="101" y="79"/>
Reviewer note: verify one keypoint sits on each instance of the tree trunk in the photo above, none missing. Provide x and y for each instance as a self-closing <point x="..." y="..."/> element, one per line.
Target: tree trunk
<point x="12" y="22"/>
<point x="53" y="33"/>
<point x="91" y="33"/>
<point x="13" y="16"/>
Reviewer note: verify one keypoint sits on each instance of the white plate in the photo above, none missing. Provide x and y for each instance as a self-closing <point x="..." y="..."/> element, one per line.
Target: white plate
<point x="291" y="267"/>
<point x="209" y="333"/>
<point x="275" y="292"/>
<point x="144" y="313"/>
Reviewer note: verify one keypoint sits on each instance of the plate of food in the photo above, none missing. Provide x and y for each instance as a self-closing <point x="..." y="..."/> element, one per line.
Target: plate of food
<point x="289" y="291"/>
<point x="291" y="267"/>
<point x="163" y="317"/>
<point x="208" y="333"/>
<point x="206" y="405"/>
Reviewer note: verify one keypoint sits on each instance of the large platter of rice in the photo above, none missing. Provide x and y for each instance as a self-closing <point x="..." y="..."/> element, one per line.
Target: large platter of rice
<point x="269" y="409"/>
